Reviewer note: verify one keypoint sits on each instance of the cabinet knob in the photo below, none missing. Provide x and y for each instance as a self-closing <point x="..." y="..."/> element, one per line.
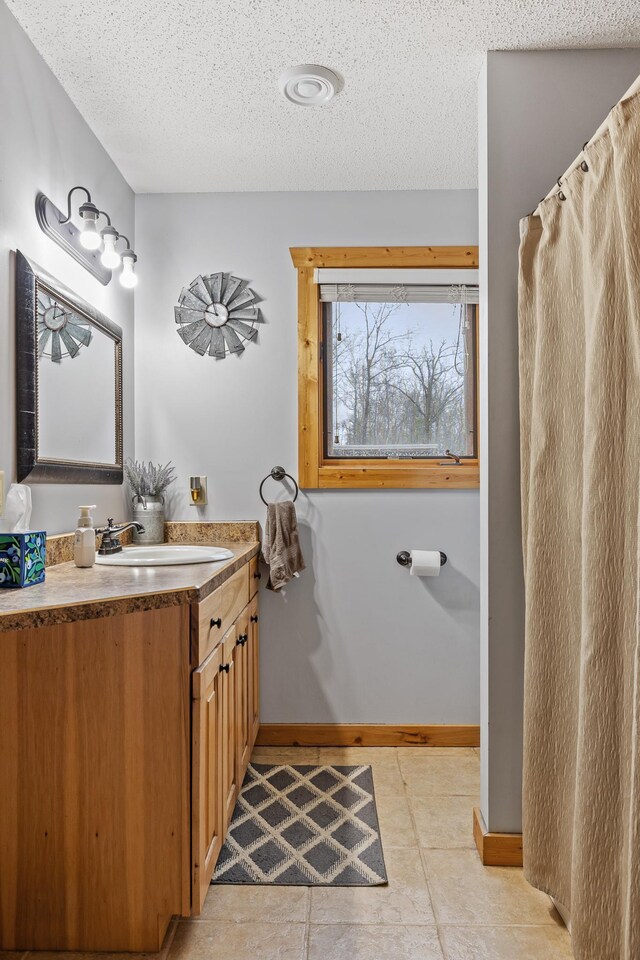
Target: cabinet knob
<point x="258" y="575"/>
<point x="215" y="623"/>
<point x="225" y="667"/>
<point x="242" y="639"/>
<point x="254" y="618"/>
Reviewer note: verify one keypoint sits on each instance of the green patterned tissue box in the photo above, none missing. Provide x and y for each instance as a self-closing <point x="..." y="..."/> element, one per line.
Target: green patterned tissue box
<point x="22" y="557"/>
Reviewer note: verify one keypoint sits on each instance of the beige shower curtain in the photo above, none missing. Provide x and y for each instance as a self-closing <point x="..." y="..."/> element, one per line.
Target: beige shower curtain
<point x="579" y="315"/>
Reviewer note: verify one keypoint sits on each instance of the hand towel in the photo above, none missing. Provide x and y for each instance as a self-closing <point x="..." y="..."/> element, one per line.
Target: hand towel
<point x="281" y="546"/>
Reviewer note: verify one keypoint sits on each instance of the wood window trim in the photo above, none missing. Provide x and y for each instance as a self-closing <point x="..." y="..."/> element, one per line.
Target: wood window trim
<point x="314" y="471"/>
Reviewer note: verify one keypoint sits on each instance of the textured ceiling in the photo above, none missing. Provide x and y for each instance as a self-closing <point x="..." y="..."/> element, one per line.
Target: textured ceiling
<point x="184" y="94"/>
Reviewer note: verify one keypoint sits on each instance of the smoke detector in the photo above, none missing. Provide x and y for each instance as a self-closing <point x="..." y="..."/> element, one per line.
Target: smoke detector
<point x="309" y="84"/>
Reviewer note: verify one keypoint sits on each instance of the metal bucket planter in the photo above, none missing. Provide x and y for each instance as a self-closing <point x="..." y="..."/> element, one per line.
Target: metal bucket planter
<point x="149" y="511"/>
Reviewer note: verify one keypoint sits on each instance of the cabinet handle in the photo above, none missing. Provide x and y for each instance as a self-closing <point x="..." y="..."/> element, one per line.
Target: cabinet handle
<point x="258" y="575"/>
<point x="242" y="639"/>
<point x="225" y="667"/>
<point x="215" y="623"/>
<point x="254" y="618"/>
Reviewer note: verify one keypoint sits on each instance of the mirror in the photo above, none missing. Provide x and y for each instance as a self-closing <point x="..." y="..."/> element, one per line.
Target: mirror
<point x="69" y="382"/>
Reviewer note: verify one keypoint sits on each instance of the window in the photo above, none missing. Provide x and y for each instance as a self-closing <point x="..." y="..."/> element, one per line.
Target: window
<point x="387" y="367"/>
<point x="399" y="371"/>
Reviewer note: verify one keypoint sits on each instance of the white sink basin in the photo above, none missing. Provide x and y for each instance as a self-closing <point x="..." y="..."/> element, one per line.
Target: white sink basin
<point x="164" y="555"/>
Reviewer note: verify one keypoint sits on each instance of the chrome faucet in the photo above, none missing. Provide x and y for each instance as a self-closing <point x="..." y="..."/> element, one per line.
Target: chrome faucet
<point x="110" y="533"/>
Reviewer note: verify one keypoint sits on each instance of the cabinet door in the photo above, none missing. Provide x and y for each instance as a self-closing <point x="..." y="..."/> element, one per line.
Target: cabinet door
<point x="242" y="694"/>
<point x="254" y="672"/>
<point x="229" y="725"/>
<point x="206" y="794"/>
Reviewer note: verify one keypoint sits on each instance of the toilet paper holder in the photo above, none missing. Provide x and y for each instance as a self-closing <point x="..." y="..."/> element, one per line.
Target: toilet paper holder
<point x="404" y="558"/>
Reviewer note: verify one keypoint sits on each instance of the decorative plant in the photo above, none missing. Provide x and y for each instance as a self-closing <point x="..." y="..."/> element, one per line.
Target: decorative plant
<point x="148" y="479"/>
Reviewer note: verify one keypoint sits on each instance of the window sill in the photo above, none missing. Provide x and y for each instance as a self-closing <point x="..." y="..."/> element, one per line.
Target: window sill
<point x="382" y="475"/>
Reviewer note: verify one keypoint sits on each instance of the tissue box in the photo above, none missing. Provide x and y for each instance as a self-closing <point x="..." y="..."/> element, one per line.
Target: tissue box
<point x="22" y="557"/>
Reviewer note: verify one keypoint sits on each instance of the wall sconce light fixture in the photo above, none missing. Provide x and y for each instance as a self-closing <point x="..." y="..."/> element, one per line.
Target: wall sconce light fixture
<point x="95" y="249"/>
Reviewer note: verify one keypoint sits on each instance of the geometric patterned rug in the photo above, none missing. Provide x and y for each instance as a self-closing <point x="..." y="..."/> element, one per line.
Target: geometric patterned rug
<point x="304" y="826"/>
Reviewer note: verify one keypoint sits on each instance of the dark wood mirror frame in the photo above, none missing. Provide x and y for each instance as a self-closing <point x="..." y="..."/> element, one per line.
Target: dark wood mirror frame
<point x="30" y="465"/>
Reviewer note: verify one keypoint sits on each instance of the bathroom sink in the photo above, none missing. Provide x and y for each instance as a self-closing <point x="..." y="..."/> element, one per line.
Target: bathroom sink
<point x="164" y="555"/>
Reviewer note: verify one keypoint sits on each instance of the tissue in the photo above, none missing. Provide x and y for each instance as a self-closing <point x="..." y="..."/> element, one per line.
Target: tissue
<point x="17" y="509"/>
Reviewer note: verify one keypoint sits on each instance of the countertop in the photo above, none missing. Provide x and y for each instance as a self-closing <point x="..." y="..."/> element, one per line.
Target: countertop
<point x="70" y="593"/>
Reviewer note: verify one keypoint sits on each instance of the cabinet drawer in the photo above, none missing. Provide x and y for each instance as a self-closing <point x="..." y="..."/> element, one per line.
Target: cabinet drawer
<point x="254" y="575"/>
<point x="217" y="612"/>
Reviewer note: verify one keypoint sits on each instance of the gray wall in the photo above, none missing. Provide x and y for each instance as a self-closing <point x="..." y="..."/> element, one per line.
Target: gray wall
<point x="536" y="111"/>
<point x="355" y="639"/>
<point x="46" y="145"/>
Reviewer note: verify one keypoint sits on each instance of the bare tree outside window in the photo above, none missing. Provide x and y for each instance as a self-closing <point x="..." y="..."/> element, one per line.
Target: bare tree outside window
<point x="399" y="379"/>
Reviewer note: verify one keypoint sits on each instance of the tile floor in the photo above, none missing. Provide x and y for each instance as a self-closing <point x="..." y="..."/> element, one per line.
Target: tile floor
<point x="440" y="904"/>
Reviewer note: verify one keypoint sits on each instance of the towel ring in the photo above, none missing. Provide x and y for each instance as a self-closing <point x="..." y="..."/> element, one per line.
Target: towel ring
<point x="278" y="473"/>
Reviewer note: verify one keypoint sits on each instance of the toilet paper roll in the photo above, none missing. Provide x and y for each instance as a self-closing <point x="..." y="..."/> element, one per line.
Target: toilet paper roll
<point x="425" y="563"/>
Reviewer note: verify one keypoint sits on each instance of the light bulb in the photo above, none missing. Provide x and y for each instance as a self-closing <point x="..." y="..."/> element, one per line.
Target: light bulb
<point x="110" y="257"/>
<point x="128" y="276"/>
<point x="90" y="238"/>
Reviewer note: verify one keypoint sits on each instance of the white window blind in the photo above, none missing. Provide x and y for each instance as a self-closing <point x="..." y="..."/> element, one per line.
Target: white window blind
<point x="398" y="293"/>
<point x="424" y="285"/>
<point x="396" y="275"/>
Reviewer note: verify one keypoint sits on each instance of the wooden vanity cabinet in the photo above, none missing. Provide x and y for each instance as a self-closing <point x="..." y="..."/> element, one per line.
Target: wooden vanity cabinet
<point x="124" y="740"/>
<point x="225" y="715"/>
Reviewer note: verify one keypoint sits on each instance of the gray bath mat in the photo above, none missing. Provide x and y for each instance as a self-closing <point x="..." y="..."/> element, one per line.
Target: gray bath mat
<point x="304" y="826"/>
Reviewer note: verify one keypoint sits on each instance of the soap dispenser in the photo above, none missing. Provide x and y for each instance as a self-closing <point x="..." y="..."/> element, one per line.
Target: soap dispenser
<point x="84" y="545"/>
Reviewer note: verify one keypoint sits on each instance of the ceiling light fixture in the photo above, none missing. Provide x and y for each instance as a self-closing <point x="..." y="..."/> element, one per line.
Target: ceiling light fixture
<point x="85" y="244"/>
<point x="309" y="84"/>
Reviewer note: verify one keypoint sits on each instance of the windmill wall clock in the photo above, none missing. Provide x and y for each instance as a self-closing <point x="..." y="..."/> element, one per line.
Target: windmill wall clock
<point x="61" y="332"/>
<point x="217" y="314"/>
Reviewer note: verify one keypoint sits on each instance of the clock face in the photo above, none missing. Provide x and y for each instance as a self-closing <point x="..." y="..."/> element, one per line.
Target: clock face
<point x="216" y="314"/>
<point x="61" y="332"/>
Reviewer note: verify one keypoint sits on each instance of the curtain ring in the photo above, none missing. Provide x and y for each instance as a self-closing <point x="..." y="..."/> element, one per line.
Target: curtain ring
<point x="584" y="166"/>
<point x="561" y="196"/>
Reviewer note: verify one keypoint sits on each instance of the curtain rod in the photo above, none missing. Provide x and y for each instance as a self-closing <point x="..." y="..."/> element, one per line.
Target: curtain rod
<point x="602" y="129"/>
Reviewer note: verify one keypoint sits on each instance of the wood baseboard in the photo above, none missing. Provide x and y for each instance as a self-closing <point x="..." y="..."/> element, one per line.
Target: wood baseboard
<point x="496" y="849"/>
<point x="366" y="735"/>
